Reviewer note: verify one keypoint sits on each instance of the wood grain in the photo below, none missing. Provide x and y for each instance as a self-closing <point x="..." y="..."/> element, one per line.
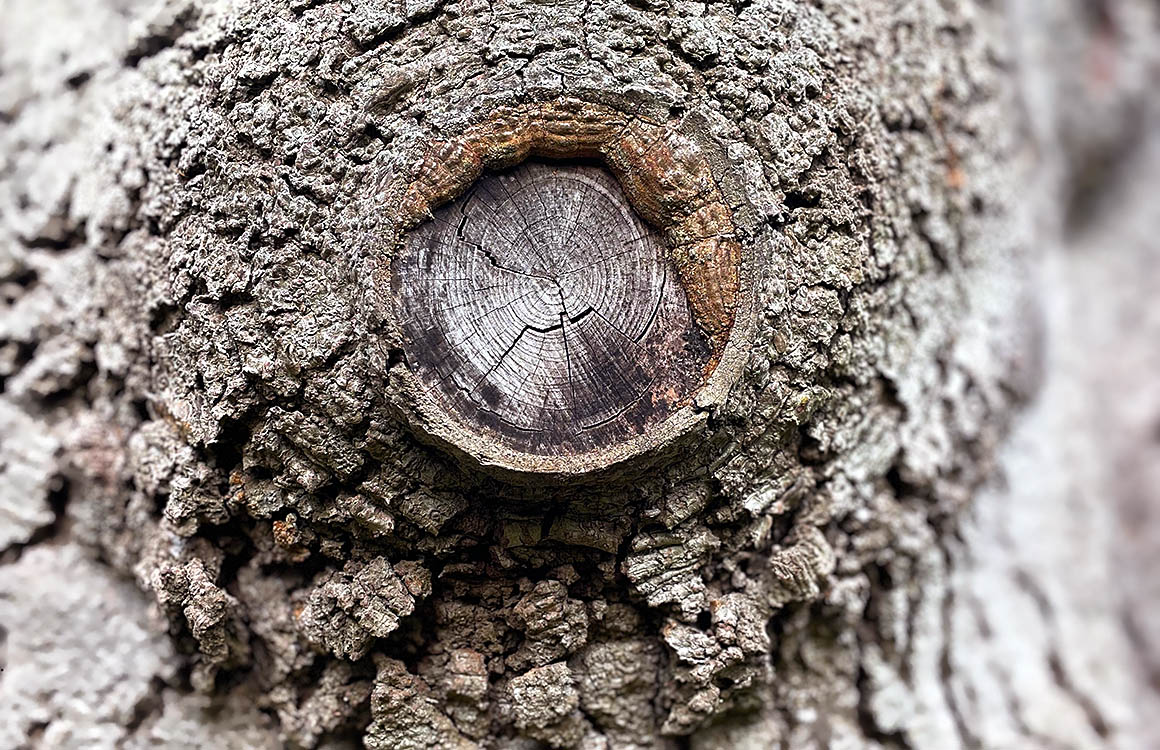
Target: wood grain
<point x="666" y="176"/>
<point x="541" y="309"/>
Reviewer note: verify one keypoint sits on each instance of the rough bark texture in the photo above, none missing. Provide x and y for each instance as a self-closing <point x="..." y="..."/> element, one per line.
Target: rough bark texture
<point x="205" y="381"/>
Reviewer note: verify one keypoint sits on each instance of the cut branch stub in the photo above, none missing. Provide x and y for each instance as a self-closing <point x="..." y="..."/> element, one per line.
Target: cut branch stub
<point x="540" y="307"/>
<point x="559" y="318"/>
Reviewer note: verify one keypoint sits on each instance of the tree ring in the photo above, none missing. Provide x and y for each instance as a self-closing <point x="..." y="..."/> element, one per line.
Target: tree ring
<point x="604" y="301"/>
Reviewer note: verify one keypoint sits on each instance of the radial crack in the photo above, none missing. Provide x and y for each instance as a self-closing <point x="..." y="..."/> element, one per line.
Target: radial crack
<point x="622" y="358"/>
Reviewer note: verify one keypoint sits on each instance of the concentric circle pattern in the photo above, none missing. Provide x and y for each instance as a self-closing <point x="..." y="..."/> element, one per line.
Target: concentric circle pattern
<point x="541" y="309"/>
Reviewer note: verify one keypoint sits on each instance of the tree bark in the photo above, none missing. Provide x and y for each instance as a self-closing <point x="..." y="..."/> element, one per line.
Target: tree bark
<point x="236" y="513"/>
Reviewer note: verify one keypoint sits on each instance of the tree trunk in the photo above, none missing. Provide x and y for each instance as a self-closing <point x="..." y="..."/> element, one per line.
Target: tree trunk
<point x="576" y="375"/>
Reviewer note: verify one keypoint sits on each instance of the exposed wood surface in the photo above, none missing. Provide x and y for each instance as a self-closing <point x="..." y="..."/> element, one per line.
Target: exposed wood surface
<point x="201" y="204"/>
<point x="541" y="307"/>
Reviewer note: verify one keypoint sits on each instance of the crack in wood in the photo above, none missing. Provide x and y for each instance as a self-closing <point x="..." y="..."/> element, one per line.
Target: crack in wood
<point x="541" y="310"/>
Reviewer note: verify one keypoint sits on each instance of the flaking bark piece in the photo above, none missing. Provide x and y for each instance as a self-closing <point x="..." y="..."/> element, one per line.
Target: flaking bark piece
<point x="545" y="705"/>
<point x="347" y="610"/>
<point x="404" y="716"/>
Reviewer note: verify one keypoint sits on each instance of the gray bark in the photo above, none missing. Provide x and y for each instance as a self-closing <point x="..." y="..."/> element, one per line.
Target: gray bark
<point x="229" y="522"/>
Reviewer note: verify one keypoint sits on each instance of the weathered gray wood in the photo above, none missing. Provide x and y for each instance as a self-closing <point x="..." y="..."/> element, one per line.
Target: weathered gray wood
<point x="195" y="303"/>
<point x="541" y="309"/>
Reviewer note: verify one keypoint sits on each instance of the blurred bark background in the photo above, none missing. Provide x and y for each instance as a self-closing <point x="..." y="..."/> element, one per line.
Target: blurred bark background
<point x="1020" y="613"/>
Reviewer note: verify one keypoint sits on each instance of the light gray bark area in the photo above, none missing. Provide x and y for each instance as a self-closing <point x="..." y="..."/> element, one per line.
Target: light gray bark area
<point x="87" y="666"/>
<point x="848" y="559"/>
